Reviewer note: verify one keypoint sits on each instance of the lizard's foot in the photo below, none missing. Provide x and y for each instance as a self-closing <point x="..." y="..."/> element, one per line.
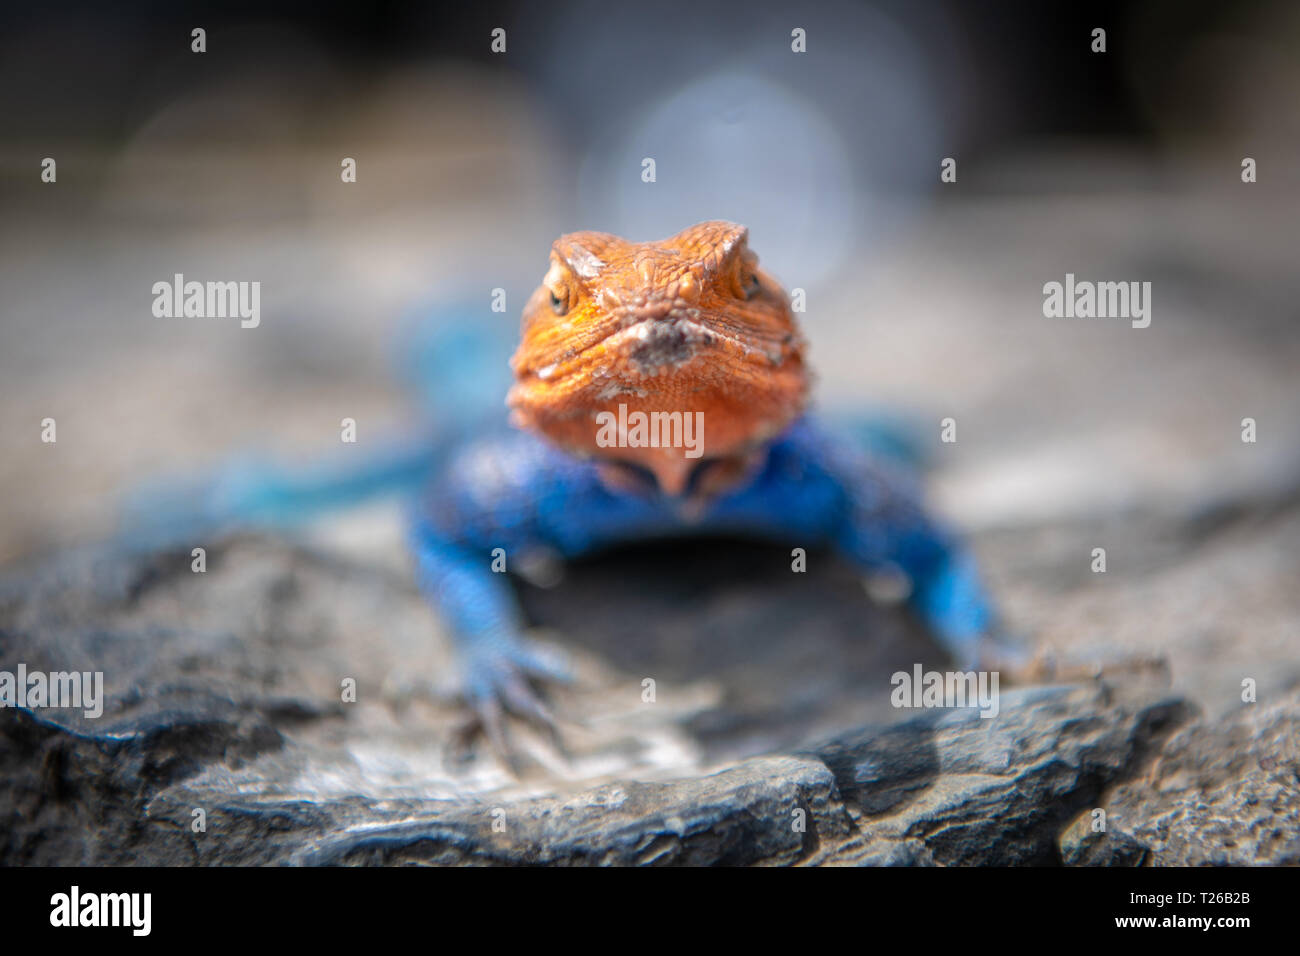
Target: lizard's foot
<point x="507" y="679"/>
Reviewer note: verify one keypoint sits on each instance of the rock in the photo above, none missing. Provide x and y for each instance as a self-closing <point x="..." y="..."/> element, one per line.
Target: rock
<point x="1219" y="794"/>
<point x="223" y="708"/>
<point x="956" y="789"/>
<point x="947" y="790"/>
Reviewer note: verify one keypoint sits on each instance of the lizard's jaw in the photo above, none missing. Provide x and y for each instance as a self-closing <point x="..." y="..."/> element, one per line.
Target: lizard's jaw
<point x="664" y="397"/>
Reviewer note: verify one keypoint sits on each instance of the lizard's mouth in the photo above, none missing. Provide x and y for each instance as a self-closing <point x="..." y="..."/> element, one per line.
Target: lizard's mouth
<point x="629" y="395"/>
<point x="649" y="348"/>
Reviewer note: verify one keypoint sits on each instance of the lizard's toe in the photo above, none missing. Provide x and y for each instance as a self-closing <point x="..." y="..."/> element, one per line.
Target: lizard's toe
<point x="543" y="663"/>
<point x="506" y="682"/>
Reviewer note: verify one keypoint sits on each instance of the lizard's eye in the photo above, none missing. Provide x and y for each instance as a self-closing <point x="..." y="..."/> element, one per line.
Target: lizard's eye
<point x="751" y="285"/>
<point x="558" y="288"/>
<point x="559" y="299"/>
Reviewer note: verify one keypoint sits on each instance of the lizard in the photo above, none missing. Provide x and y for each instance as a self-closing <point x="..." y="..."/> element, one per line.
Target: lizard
<point x="688" y="326"/>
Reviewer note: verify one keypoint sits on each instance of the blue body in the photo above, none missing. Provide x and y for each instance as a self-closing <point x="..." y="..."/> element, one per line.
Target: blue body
<point x="515" y="492"/>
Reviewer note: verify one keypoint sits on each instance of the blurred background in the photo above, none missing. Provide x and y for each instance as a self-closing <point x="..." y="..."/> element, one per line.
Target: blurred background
<point x="225" y="165"/>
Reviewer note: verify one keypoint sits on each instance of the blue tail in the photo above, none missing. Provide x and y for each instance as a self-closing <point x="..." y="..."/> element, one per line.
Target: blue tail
<point x="457" y="366"/>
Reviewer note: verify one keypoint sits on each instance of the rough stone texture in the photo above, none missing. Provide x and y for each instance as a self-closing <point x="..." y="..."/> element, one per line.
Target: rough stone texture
<point x="1218" y="795"/>
<point x="222" y="695"/>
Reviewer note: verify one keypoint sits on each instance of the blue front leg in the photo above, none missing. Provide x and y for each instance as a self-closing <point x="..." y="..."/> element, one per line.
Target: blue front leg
<point x="820" y="487"/>
<point x="497" y="663"/>
<point x="515" y="493"/>
<point x="887" y="525"/>
<point x="509" y="492"/>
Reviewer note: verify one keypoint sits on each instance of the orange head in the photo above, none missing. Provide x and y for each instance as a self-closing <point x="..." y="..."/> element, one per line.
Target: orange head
<point x="623" y="340"/>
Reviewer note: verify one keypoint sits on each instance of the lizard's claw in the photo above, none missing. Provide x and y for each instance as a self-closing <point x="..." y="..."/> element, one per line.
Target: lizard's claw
<point x="504" y="681"/>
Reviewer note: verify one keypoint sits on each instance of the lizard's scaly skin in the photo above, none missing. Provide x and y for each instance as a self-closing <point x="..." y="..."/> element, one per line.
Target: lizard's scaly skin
<point x="687" y="324"/>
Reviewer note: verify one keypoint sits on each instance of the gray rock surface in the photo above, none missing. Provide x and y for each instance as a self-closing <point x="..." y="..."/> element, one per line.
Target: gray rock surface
<point x="1219" y="794"/>
<point x="223" y="697"/>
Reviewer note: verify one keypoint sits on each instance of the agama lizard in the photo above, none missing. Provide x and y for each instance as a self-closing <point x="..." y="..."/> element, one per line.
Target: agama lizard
<point x="687" y="327"/>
